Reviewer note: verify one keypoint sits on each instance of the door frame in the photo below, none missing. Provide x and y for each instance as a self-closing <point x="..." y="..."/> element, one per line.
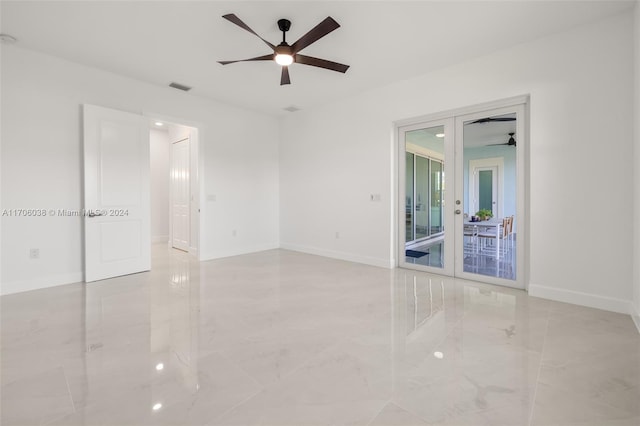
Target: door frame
<point x="495" y="164"/>
<point x="196" y="177"/>
<point x="522" y="186"/>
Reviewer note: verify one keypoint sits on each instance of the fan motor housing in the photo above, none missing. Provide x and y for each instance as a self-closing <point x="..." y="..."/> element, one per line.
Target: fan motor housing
<point x="284" y="24"/>
<point x="283" y="49"/>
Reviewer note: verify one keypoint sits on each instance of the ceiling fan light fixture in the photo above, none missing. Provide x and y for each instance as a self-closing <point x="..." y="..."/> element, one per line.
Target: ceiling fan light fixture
<point x="284" y="59"/>
<point x="285" y="54"/>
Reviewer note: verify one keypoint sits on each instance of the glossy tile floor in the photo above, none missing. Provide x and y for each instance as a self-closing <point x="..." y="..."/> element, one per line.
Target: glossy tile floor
<point x="283" y="338"/>
<point x="475" y="262"/>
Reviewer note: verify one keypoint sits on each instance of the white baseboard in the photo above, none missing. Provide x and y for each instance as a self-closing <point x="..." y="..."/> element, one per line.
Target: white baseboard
<point x="579" y="298"/>
<point x="39" y="283"/>
<point x="373" y="261"/>
<point x="219" y="254"/>
<point x="160" y="239"/>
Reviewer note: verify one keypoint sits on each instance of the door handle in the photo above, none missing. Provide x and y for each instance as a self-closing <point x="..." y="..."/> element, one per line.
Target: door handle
<point x="458" y="211"/>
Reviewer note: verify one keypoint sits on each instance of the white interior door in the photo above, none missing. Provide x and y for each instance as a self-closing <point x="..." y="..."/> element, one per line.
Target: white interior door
<point x="116" y="193"/>
<point x="180" y="194"/>
<point x="485" y="189"/>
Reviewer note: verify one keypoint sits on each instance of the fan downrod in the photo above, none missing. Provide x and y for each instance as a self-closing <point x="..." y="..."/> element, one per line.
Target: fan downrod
<point x="284" y="25"/>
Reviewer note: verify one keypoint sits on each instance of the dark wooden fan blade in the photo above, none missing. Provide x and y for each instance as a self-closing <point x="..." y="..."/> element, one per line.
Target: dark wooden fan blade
<point x="322" y="63"/>
<point x="233" y="18"/>
<point x="257" y="58"/>
<point x="284" y="79"/>
<point x="315" y="34"/>
<point x="490" y="119"/>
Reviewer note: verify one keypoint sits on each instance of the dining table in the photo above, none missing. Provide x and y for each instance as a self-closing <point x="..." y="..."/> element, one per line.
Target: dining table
<point x="494" y="226"/>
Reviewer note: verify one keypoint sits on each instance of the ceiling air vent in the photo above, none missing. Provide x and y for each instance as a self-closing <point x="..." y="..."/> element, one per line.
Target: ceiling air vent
<point x="179" y="86"/>
<point x="291" y="108"/>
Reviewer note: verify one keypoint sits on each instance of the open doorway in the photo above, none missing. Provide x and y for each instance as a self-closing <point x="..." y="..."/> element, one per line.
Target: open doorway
<point x="117" y="164"/>
<point x="174" y="188"/>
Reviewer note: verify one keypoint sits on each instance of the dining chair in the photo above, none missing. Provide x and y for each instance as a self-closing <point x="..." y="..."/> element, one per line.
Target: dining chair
<point x="486" y="234"/>
<point x="510" y="236"/>
<point x="470" y="233"/>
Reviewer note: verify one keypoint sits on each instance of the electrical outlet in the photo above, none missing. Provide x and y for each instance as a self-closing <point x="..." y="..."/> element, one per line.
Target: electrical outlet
<point x="34" y="253"/>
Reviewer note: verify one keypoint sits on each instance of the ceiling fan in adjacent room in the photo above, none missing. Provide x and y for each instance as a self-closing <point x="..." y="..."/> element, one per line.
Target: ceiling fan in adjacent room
<point x="510" y="142"/>
<point x="492" y="119"/>
<point x="285" y="54"/>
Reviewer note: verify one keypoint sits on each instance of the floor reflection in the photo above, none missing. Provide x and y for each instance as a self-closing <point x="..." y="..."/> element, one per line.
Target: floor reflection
<point x="285" y="338"/>
<point x="442" y="370"/>
<point x="475" y="262"/>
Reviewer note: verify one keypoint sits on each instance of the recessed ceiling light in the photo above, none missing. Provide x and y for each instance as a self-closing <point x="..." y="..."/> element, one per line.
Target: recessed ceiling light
<point x="157" y="406"/>
<point x="160" y="366"/>
<point x="438" y="354"/>
<point x="439" y="135"/>
<point x="159" y="123"/>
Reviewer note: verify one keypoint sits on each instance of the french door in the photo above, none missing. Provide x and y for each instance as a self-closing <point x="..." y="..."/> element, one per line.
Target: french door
<point x="426" y="236"/>
<point x="443" y="185"/>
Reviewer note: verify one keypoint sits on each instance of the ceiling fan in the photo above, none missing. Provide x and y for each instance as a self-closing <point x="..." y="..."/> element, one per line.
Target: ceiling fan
<point x="492" y="119"/>
<point x="511" y="142"/>
<point x="285" y="54"/>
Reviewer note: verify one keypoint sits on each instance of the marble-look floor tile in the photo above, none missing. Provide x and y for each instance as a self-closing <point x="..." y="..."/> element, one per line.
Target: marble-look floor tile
<point x="391" y="414"/>
<point x="36" y="400"/>
<point x="285" y="338"/>
<point x="347" y="383"/>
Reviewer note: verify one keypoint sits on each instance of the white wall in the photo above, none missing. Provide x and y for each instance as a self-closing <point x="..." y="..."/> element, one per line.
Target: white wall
<point x="42" y="168"/>
<point x="159" y="153"/>
<point x="636" y="162"/>
<point x="333" y="157"/>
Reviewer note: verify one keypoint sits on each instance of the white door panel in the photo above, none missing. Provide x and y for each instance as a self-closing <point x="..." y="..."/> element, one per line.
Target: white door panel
<point x="180" y="199"/>
<point x="116" y="172"/>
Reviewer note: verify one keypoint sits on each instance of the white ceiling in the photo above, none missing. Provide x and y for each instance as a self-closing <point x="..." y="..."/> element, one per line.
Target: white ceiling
<point x="383" y="41"/>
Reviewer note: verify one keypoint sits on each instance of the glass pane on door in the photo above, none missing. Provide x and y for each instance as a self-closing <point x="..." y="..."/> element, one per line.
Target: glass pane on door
<point x="485" y="190"/>
<point x="424" y="195"/>
<point x="489" y="162"/>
